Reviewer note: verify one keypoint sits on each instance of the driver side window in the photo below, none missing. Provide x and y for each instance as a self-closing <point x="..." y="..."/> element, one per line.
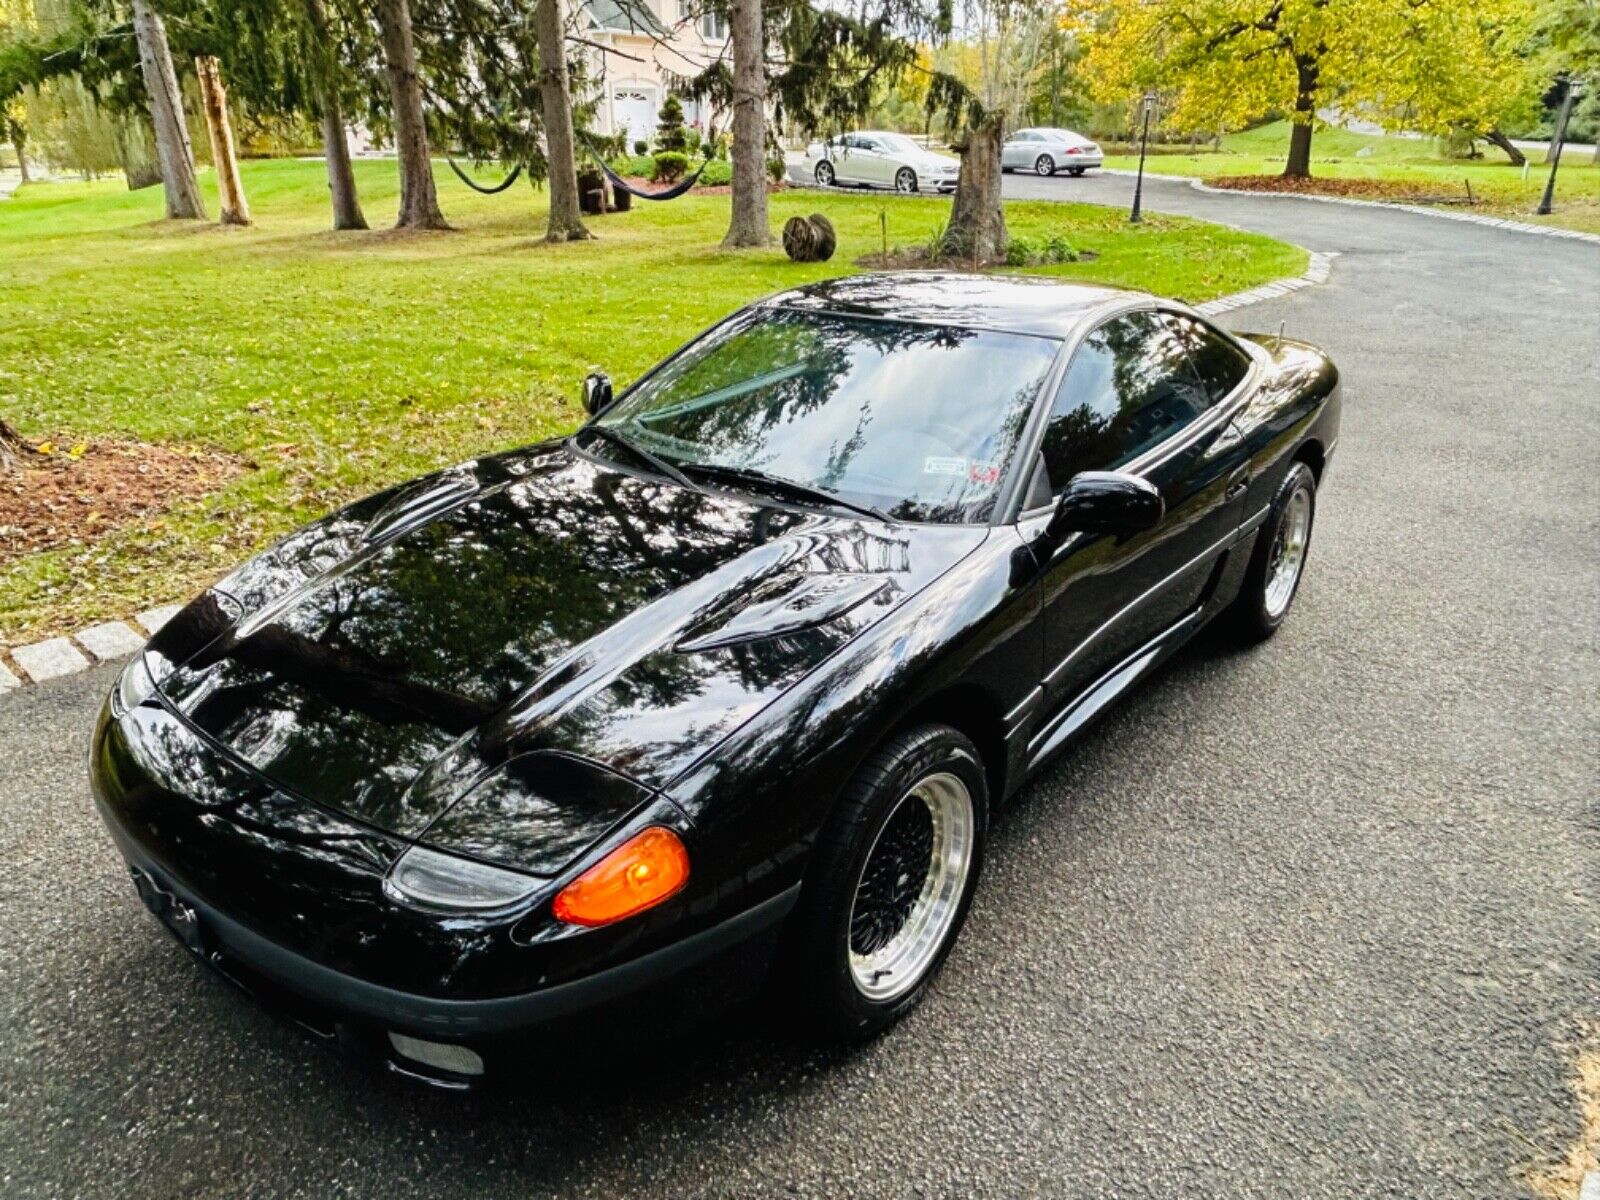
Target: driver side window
<point x="1130" y="386"/>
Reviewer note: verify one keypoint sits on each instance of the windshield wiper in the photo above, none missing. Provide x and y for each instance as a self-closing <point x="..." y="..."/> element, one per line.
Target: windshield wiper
<point x="656" y="462"/>
<point x="792" y="487"/>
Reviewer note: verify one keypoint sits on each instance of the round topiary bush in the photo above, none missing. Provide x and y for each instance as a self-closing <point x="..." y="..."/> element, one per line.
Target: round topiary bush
<point x="670" y="166"/>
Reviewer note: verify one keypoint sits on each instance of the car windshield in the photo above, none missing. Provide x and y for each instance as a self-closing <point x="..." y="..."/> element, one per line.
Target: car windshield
<point x="896" y="141"/>
<point x="918" y="421"/>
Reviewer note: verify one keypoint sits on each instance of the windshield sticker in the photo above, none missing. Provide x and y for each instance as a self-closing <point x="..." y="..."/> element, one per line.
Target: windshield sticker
<point x="934" y="465"/>
<point x="985" y="473"/>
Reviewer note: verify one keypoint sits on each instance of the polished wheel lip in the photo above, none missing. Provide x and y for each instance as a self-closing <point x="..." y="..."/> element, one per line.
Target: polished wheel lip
<point x="900" y="177"/>
<point x="1288" y="555"/>
<point x="893" y="970"/>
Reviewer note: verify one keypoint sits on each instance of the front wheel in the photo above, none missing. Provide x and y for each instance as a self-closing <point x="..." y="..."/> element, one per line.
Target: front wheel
<point x="824" y="173"/>
<point x="1044" y="165"/>
<point x="889" y="885"/>
<point x="905" y="180"/>
<point x="1279" y="559"/>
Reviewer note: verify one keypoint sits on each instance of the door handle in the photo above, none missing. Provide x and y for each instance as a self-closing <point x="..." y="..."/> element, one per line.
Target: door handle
<point x="1237" y="486"/>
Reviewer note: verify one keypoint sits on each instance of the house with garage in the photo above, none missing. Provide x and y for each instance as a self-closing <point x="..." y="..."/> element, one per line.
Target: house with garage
<point x="636" y="48"/>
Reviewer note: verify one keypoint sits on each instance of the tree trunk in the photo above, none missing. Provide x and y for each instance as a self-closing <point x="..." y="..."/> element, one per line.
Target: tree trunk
<point x="19" y="143"/>
<point x="555" y="97"/>
<point x="214" y="99"/>
<point x="173" y="151"/>
<point x="1305" y="110"/>
<point x="15" y="452"/>
<point x="748" y="226"/>
<point x="977" y="228"/>
<point x="1499" y="139"/>
<point x="419" y="203"/>
<point x="347" y="212"/>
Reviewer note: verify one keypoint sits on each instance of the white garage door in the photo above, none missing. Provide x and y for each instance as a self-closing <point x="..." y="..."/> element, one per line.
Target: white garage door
<point x="634" y="107"/>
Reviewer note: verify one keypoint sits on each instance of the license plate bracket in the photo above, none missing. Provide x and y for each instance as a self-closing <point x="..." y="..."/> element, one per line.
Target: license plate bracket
<point x="177" y="915"/>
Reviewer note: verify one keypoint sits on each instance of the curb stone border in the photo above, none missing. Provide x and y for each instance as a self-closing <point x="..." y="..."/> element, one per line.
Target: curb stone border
<point x="109" y="640"/>
<point x="1421" y="210"/>
<point x="67" y="655"/>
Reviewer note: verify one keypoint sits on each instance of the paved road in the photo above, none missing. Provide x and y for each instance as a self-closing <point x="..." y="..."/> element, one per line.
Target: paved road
<point x="1312" y="920"/>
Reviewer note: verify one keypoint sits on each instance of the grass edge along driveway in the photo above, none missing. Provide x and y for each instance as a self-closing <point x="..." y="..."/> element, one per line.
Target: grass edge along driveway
<point x="1404" y="169"/>
<point x="335" y="364"/>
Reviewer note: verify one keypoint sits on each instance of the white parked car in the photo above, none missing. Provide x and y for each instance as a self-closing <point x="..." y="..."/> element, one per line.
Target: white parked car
<point x="887" y="160"/>
<point x="1046" y="151"/>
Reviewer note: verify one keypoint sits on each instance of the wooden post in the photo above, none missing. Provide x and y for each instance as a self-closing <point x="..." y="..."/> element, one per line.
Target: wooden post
<point x="214" y="99"/>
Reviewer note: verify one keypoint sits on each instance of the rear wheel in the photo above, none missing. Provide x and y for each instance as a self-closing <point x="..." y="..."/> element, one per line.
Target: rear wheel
<point x="905" y="180"/>
<point x="1044" y="165"/>
<point x="1076" y="172"/>
<point x="1279" y="559"/>
<point x="825" y="173"/>
<point x="890" y="883"/>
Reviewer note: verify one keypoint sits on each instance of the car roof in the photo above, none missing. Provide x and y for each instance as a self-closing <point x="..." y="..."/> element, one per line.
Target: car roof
<point x="1012" y="303"/>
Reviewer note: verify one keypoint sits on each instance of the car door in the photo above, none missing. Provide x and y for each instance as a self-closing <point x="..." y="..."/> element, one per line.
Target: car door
<point x="1015" y="151"/>
<point x="1132" y="400"/>
<point x="874" y="167"/>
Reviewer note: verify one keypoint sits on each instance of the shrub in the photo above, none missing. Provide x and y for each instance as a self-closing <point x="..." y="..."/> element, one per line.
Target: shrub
<point x="1019" y="252"/>
<point x="671" y="137"/>
<point x="775" y="168"/>
<point x="1058" y="250"/>
<point x="641" y="165"/>
<point x="670" y="166"/>
<point x="693" y="138"/>
<point x="716" y="172"/>
<point x="641" y="147"/>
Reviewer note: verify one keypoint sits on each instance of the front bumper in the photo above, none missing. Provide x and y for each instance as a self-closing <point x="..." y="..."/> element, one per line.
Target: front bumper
<point x="284" y="900"/>
<point x="701" y="973"/>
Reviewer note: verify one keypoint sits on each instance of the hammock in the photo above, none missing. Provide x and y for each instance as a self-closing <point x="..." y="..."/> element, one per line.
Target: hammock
<point x="621" y="184"/>
<point x="478" y="187"/>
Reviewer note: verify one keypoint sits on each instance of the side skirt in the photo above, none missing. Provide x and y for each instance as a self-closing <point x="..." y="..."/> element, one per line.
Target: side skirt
<point x="1061" y="728"/>
<point x="1072" y="719"/>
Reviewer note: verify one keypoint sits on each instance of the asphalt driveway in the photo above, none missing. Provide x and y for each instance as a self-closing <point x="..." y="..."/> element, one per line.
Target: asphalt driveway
<point x="1316" y="919"/>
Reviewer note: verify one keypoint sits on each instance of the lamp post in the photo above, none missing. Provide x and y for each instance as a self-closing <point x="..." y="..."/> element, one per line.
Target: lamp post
<point x="1573" y="87"/>
<point x="1149" y="104"/>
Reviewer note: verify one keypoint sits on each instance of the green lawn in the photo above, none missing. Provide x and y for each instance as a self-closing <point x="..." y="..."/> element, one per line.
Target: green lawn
<point x="338" y="363"/>
<point x="1340" y="154"/>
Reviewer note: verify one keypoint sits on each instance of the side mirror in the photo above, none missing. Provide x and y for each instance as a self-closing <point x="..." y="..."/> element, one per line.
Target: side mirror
<point x="596" y="391"/>
<point x="1107" y="502"/>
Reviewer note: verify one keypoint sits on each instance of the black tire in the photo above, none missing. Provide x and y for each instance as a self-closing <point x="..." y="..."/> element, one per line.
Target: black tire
<point x="1076" y="172"/>
<point x="824" y="174"/>
<point x="1044" y="165"/>
<point x="1252" y="617"/>
<point x="905" y="180"/>
<point x="816" y="974"/>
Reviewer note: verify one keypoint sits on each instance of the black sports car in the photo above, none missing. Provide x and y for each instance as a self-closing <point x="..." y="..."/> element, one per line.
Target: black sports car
<point x="731" y="678"/>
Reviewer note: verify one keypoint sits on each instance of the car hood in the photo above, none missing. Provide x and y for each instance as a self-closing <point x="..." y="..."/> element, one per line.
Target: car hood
<point x="386" y="661"/>
<point x="929" y="160"/>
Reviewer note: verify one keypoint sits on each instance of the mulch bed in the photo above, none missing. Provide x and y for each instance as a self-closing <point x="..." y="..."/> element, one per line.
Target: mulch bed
<point x="74" y="496"/>
<point x="1411" y="192"/>
<point x="719" y="189"/>
<point x="917" y="258"/>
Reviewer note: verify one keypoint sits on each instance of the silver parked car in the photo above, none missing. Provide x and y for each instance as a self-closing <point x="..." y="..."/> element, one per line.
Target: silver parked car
<point x="874" y="159"/>
<point x="1046" y="151"/>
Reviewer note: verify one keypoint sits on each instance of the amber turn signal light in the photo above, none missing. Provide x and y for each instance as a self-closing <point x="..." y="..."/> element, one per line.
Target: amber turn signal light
<point x="646" y="869"/>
